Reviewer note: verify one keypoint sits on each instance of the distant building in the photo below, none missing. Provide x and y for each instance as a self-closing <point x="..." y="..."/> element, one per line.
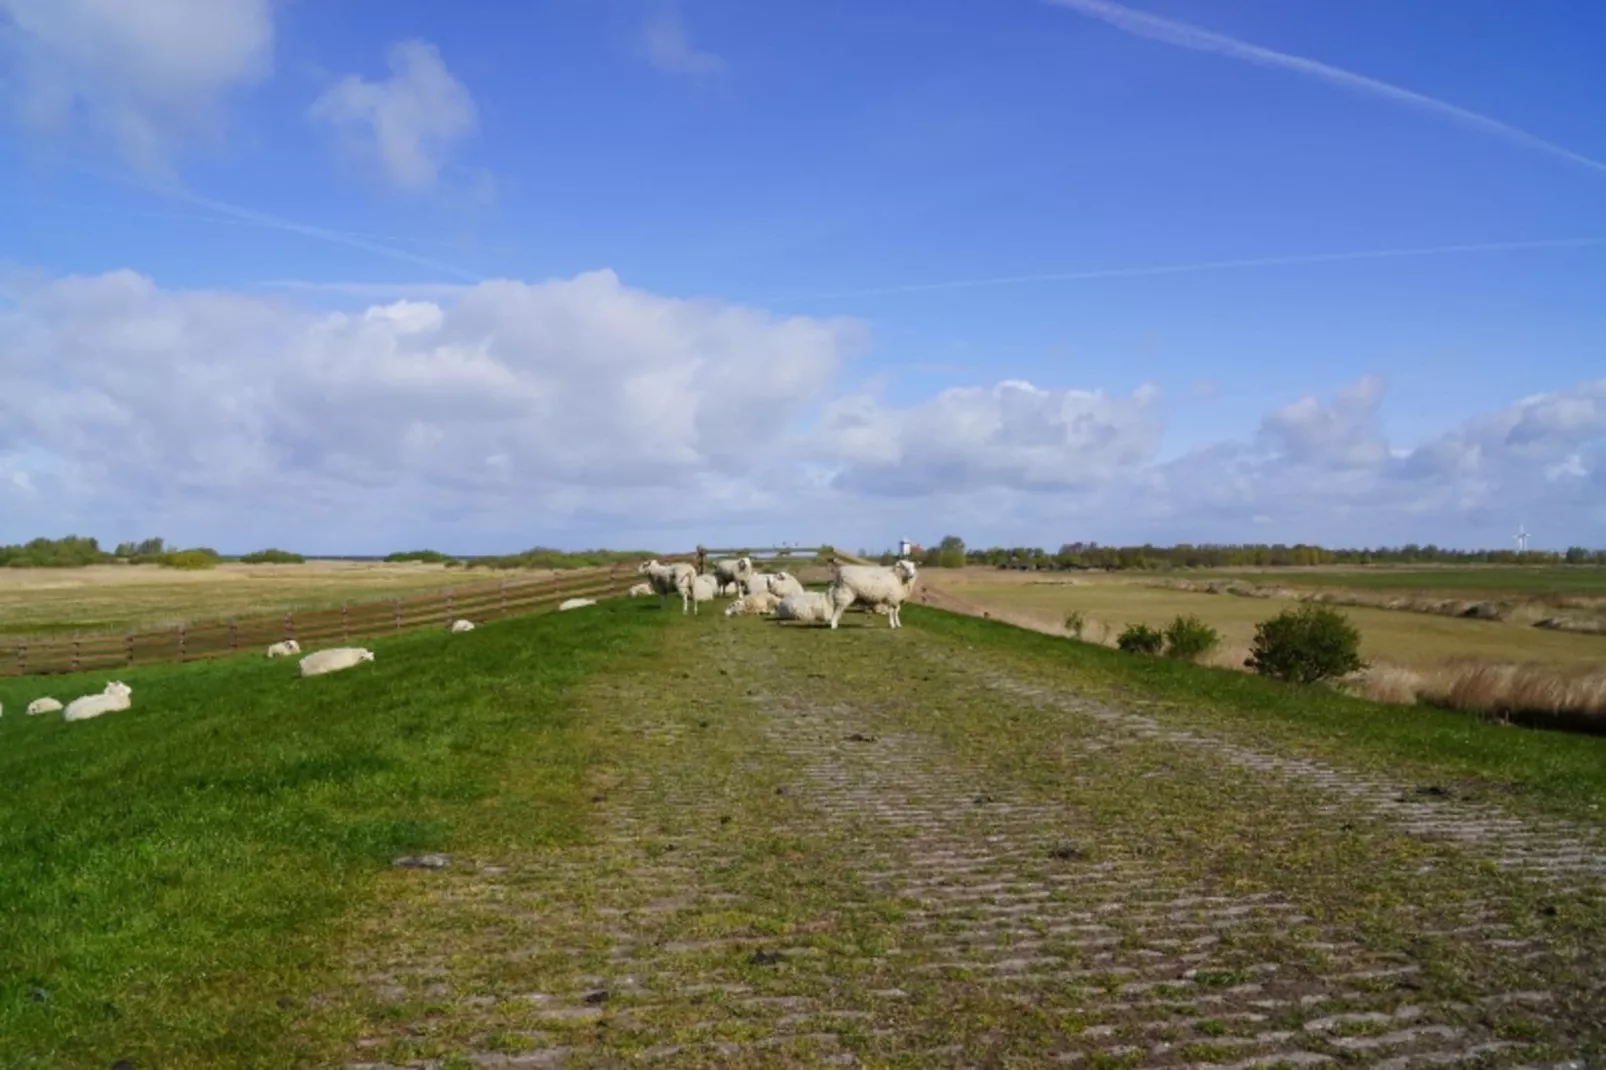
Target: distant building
<point x="905" y="547"/>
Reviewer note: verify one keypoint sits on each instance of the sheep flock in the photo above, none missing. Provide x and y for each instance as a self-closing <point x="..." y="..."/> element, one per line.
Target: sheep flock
<point x="880" y="589"/>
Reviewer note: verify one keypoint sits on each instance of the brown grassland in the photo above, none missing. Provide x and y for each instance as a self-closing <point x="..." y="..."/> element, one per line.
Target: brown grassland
<point x="1505" y="668"/>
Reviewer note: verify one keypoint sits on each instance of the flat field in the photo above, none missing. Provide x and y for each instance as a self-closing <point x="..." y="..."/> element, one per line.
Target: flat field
<point x="739" y="843"/>
<point x="42" y="601"/>
<point x="1443" y="581"/>
<point x="1414" y="640"/>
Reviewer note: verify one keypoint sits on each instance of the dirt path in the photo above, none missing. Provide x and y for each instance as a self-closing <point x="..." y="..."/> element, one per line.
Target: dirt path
<point x="872" y="848"/>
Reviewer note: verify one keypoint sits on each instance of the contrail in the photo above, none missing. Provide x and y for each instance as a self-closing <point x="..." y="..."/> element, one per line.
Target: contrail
<point x="272" y="222"/>
<point x="1214" y="265"/>
<point x="1183" y="35"/>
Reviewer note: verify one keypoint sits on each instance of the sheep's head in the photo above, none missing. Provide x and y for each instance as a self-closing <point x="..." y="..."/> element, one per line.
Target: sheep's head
<point x="904" y="569"/>
<point x="366" y="655"/>
<point x="117" y="687"/>
<point x="647" y="566"/>
<point x="744" y="565"/>
<point x="781" y="577"/>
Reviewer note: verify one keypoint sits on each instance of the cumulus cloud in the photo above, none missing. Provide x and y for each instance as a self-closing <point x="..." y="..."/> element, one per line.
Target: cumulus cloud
<point x="668" y="47"/>
<point x="408" y="123"/>
<point x="143" y="74"/>
<point x="1010" y="434"/>
<point x="582" y="410"/>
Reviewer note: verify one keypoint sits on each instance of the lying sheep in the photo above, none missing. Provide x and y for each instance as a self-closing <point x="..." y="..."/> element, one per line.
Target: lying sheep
<point x="784" y="583"/>
<point x="704" y="589"/>
<point x="284" y="649"/>
<point x="811" y="607"/>
<point x="458" y="626"/>
<point x="334" y="659"/>
<point x="576" y="603"/>
<point x="639" y="590"/>
<point x="872" y="585"/>
<point x="762" y="603"/>
<point x="732" y="573"/>
<point x="669" y="579"/>
<point x="43" y="705"/>
<point x="116" y="696"/>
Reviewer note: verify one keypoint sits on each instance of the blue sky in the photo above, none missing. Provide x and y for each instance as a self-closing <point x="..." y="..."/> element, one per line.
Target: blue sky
<point x="786" y="271"/>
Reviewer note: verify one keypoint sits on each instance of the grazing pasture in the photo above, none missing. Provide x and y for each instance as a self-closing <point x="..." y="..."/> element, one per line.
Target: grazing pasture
<point x="738" y="842"/>
<point x="1470" y="581"/>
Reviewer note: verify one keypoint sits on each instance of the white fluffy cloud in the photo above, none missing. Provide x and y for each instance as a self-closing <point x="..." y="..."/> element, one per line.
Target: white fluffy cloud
<point x="584" y="411"/>
<point x="408" y="123"/>
<point x="144" y="74"/>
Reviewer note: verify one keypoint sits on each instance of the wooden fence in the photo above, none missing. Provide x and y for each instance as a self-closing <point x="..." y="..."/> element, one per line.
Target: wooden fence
<point x="253" y="634"/>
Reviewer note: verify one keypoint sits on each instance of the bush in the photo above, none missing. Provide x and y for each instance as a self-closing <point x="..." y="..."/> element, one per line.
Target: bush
<point x="71" y="552"/>
<point x="1075" y="622"/>
<point x="1140" y="639"/>
<point x="271" y="556"/>
<point x="427" y="556"/>
<point x="1304" y="645"/>
<point x="1189" y="638"/>
<point x="198" y="558"/>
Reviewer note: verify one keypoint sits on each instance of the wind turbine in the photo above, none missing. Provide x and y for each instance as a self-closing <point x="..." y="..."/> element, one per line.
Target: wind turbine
<point x="1522" y="539"/>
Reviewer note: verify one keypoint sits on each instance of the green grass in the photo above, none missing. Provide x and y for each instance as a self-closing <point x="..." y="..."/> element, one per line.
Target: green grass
<point x="1474" y="581"/>
<point x="1559" y="771"/>
<point x="176" y="878"/>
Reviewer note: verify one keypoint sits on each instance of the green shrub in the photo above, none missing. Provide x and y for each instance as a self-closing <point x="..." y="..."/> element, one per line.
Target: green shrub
<point x="1141" y="639"/>
<point x="1189" y="638"/>
<point x="271" y="556"/>
<point x="198" y="558"/>
<point x="1075" y="623"/>
<point x="71" y="552"/>
<point x="1307" y="644"/>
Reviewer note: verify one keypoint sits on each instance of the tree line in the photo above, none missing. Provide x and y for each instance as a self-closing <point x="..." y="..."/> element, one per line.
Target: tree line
<point x="952" y="552"/>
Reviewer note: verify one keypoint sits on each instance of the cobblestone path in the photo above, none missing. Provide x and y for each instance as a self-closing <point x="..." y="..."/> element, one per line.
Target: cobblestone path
<point x="873" y="848"/>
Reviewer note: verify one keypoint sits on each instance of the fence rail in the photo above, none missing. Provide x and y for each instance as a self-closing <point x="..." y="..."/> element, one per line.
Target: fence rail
<point x="368" y="620"/>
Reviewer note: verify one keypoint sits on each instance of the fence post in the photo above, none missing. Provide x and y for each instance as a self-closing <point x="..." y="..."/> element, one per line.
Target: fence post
<point x="181" y="642"/>
<point x="504" y="596"/>
<point x="448" y="607"/>
<point x="128" y="646"/>
<point x="398" y="614"/>
<point x="289" y="624"/>
<point x="702" y="559"/>
<point x="22" y="659"/>
<point x="345" y="624"/>
<point x="75" y="648"/>
<point x="234" y="636"/>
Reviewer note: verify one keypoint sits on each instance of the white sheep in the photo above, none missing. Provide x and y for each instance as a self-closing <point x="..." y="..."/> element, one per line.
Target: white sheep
<point x="872" y="585"/>
<point x="640" y="590"/>
<point x="669" y="579"/>
<point x="732" y="573"/>
<point x="334" y="659"/>
<point x="704" y="589"/>
<point x="762" y="603"/>
<point x="812" y="607"/>
<point x="284" y="649"/>
<point x="43" y="705"/>
<point x="116" y="696"/>
<point x="783" y="584"/>
<point x="460" y="626"/>
<point x="576" y="603"/>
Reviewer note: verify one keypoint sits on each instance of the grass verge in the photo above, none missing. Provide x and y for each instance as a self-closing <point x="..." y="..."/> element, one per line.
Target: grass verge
<point x="177" y="876"/>
<point x="1559" y="771"/>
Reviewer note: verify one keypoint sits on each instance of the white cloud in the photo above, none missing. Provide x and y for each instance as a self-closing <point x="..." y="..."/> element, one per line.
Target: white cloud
<point x="583" y="411"/>
<point x="145" y="74"/>
<point x="668" y="48"/>
<point x="407" y="123"/>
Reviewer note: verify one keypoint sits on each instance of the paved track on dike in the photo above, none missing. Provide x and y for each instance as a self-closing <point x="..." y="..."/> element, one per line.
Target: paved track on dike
<point x="883" y="848"/>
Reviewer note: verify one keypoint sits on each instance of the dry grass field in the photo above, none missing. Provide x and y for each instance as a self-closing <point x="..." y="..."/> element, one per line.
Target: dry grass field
<point x="1110" y="602"/>
<point x="42" y="601"/>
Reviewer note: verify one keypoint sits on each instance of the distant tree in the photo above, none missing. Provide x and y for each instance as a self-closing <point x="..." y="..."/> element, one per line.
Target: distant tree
<point x="951" y="552"/>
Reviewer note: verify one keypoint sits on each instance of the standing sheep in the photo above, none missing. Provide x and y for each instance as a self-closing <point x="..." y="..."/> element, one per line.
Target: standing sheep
<point x="732" y="573"/>
<point x="704" y="589"/>
<point x="284" y="649"/>
<point x="871" y="586"/>
<point x="116" y="696"/>
<point x="669" y="579"/>
<point x="335" y="659"/>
